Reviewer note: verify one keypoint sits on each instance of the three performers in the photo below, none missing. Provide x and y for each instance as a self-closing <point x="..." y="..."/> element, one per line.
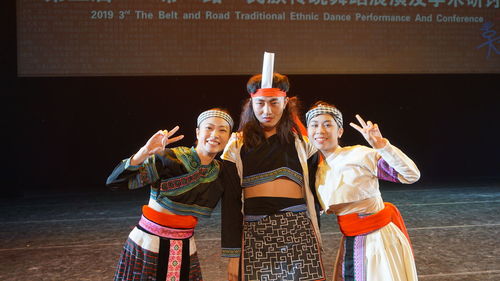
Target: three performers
<point x="270" y="228"/>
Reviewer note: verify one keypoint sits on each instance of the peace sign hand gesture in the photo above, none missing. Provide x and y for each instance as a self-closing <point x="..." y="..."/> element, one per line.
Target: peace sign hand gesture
<point x="155" y="145"/>
<point x="370" y="132"/>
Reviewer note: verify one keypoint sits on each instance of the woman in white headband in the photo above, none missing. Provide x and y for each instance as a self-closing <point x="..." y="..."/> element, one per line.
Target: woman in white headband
<point x="375" y="245"/>
<point x="183" y="188"/>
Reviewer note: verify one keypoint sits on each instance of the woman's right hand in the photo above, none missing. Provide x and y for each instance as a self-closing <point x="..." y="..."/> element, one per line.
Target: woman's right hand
<point x="155" y="145"/>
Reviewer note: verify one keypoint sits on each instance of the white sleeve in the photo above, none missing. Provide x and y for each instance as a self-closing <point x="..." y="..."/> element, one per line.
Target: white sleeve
<point x="309" y="148"/>
<point x="230" y="150"/>
<point x="407" y="171"/>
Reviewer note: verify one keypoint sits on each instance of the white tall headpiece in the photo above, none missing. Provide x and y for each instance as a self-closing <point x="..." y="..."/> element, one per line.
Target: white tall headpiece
<point x="267" y="71"/>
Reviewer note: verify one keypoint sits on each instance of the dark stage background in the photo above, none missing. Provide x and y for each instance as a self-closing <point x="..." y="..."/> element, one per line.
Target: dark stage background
<point x="69" y="133"/>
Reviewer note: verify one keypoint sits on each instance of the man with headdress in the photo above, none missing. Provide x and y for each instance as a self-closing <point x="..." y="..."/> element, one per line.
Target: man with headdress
<point x="269" y="159"/>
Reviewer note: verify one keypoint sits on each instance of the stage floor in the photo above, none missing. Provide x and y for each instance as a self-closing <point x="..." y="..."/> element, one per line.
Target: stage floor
<point x="455" y="231"/>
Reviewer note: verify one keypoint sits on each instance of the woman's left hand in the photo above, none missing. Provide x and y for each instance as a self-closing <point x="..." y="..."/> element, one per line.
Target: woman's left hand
<point x="370" y="132"/>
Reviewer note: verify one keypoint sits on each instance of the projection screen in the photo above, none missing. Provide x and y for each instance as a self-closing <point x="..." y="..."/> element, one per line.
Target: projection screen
<point x="221" y="37"/>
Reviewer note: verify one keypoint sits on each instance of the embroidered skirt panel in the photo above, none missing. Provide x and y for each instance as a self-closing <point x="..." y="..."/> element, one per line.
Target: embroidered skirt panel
<point x="281" y="246"/>
<point x="157" y="252"/>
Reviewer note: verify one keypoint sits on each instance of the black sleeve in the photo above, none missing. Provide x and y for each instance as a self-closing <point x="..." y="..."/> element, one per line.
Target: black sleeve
<point x="120" y="176"/>
<point x="232" y="216"/>
<point x="151" y="170"/>
<point x="312" y="165"/>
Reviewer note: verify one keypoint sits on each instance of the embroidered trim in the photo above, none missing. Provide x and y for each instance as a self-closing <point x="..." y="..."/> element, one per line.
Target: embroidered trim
<point x="359" y="258"/>
<point x="174" y="261"/>
<point x="164" y="231"/>
<point x="179" y="208"/>
<point x="386" y="172"/>
<point x="272" y="175"/>
<point x="179" y="185"/>
<point x="147" y="174"/>
<point x="197" y="173"/>
<point x="130" y="167"/>
<point x="353" y="264"/>
<point x="231" y="252"/>
<point x="188" y="157"/>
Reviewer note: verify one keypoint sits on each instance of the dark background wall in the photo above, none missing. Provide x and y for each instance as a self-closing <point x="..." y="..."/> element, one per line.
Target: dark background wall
<point x="69" y="133"/>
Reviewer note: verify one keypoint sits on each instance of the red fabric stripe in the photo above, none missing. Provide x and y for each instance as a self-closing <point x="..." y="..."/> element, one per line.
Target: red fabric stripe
<point x="353" y="224"/>
<point x="269" y="92"/>
<point x="175" y="221"/>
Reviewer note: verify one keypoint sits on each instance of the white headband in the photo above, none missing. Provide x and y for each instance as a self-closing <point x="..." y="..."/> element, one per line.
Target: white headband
<point x="215" y="113"/>
<point x="325" y="109"/>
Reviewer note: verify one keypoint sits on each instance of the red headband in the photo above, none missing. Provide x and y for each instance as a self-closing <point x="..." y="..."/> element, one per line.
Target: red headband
<point x="269" y="92"/>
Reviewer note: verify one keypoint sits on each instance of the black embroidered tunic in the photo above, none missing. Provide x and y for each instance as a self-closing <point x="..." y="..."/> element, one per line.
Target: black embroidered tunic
<point x="182" y="185"/>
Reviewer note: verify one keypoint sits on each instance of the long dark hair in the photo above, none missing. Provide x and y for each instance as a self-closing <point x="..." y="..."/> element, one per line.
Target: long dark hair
<point x="253" y="134"/>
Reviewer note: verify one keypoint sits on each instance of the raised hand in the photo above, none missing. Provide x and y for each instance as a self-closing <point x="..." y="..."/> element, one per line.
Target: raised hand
<point x="370" y="132"/>
<point x="156" y="145"/>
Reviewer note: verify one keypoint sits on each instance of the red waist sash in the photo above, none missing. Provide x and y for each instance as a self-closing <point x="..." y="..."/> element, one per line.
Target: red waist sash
<point x="354" y="224"/>
<point x="170" y="220"/>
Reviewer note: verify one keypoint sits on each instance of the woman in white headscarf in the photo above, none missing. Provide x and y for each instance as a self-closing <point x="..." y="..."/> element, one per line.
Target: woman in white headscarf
<point x="184" y="187"/>
<point x="375" y="245"/>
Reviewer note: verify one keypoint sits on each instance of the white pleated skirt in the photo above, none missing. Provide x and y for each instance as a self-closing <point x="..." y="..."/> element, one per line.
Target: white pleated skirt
<point x="382" y="255"/>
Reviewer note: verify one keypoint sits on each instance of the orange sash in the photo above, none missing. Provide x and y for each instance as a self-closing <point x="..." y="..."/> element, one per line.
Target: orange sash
<point x="353" y="224"/>
<point x="174" y="221"/>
